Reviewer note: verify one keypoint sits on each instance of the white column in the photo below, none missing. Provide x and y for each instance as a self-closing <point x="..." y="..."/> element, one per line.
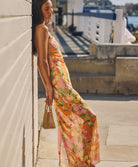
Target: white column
<point x="77" y="6"/>
<point x="118" y="26"/>
<point x="70" y="6"/>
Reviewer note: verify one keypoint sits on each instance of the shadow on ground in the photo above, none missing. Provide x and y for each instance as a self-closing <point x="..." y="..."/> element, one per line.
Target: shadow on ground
<point x="109" y="97"/>
<point x="72" y="45"/>
<point x="102" y="97"/>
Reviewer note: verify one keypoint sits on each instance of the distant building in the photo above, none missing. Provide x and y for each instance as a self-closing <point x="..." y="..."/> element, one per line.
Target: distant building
<point x="105" y="4"/>
<point x="90" y="4"/>
<point x="99" y="4"/>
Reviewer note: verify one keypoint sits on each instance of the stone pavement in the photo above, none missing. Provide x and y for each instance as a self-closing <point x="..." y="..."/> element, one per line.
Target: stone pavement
<point x="72" y="46"/>
<point x="118" y="129"/>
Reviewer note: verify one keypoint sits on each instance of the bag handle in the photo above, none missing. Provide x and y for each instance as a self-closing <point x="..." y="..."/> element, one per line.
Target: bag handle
<point x="48" y="108"/>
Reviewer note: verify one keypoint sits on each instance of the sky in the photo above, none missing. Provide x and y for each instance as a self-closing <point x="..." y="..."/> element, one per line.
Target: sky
<point x="122" y="2"/>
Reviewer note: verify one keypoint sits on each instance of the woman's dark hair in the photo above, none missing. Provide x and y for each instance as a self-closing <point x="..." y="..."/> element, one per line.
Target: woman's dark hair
<point x="37" y="18"/>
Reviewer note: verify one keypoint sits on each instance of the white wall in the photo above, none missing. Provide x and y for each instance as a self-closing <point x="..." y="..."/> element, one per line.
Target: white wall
<point x="18" y="86"/>
<point x="107" y="28"/>
<point x="88" y="25"/>
<point x="77" y="5"/>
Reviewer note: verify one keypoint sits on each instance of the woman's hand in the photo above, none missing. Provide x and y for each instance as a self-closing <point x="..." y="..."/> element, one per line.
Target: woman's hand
<point x="49" y="95"/>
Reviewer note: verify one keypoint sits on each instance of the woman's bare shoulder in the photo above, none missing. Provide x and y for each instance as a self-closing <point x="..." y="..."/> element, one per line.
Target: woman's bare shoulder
<point x="41" y="29"/>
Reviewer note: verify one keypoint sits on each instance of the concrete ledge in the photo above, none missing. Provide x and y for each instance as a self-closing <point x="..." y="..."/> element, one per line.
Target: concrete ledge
<point x="93" y="84"/>
<point x="90" y="65"/>
<point x="127" y="69"/>
<point x="111" y="51"/>
<point x="89" y="83"/>
<point x="127" y="75"/>
<point x="92" y="49"/>
<point x="102" y="76"/>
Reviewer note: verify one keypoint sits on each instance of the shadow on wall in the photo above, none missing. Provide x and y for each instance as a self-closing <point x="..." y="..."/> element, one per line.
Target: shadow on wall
<point x="134" y="166"/>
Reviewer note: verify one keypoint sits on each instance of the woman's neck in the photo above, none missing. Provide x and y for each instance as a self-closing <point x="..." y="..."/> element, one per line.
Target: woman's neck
<point x="44" y="22"/>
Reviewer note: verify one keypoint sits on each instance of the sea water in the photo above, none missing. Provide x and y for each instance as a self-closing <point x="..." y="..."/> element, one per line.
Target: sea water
<point x="133" y="20"/>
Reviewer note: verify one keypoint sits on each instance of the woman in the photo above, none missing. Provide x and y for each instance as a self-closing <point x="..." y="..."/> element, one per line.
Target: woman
<point x="78" y="139"/>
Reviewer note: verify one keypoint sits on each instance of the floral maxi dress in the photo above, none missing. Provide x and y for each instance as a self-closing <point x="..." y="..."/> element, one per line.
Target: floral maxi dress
<point x="78" y="138"/>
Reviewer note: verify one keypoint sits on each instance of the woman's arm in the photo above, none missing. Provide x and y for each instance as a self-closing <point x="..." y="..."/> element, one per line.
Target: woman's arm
<point x="42" y="59"/>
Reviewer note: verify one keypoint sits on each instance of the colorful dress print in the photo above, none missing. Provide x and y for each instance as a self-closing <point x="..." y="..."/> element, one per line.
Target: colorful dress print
<point x="78" y="138"/>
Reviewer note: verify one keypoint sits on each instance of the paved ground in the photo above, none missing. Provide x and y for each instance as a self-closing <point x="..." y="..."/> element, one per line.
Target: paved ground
<point x="72" y="46"/>
<point x="118" y="129"/>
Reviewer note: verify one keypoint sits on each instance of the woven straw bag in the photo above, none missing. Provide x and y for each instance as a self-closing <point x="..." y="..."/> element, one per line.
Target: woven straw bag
<point x="48" y="120"/>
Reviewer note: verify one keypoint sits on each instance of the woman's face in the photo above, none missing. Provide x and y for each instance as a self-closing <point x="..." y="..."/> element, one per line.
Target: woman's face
<point x="47" y="10"/>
